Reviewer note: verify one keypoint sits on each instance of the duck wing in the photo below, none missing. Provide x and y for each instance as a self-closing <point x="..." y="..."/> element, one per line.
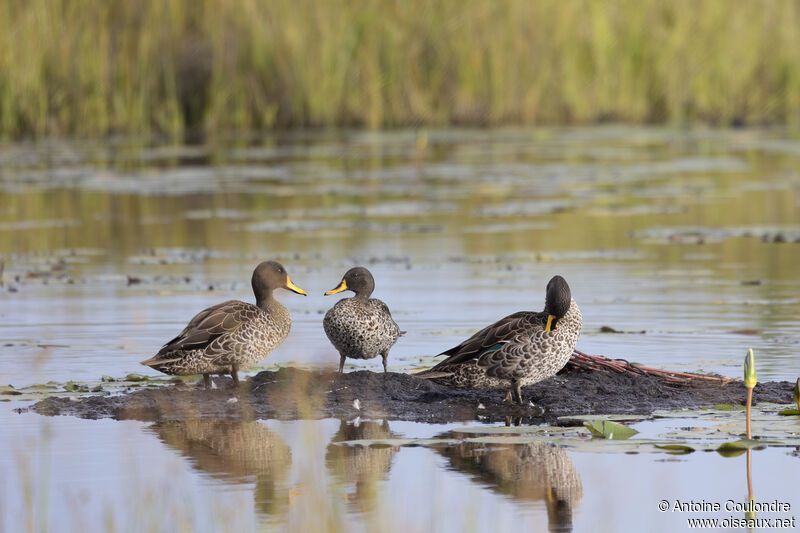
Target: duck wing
<point x="492" y="338"/>
<point x="381" y="307"/>
<point x="209" y="325"/>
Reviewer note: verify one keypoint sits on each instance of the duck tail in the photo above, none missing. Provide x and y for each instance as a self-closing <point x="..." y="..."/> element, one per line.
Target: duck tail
<point x="401" y="333"/>
<point x="158" y="361"/>
<point x="430" y="373"/>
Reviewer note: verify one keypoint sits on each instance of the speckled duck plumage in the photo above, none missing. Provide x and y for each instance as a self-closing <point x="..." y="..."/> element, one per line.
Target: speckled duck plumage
<point x="360" y="327"/>
<point x="517" y="350"/>
<point x="233" y="334"/>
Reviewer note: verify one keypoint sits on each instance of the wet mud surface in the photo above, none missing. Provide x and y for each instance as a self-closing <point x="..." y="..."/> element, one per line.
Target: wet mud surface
<point x="291" y="393"/>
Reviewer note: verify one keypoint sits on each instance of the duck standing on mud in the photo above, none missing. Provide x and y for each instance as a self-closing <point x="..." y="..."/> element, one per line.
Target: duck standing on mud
<point x="516" y="351"/>
<point x="233" y="334"/>
<point x="360" y="327"/>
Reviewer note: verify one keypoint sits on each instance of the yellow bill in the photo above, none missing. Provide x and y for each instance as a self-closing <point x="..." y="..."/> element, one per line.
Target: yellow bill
<point x="550" y="319"/>
<point x="294" y="288"/>
<point x="342" y="287"/>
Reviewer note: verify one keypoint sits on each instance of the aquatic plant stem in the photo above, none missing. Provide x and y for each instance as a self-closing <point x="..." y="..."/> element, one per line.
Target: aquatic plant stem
<point x="749" y="406"/>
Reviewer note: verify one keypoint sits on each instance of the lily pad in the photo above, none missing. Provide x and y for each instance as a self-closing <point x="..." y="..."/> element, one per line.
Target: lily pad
<point x="728" y="407"/>
<point x="789" y="412"/>
<point x="732" y="449"/>
<point x="676" y="449"/>
<point x="609" y="429"/>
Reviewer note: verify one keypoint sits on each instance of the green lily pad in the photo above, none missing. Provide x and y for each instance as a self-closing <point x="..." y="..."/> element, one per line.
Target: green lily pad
<point x="728" y="407"/>
<point x="609" y="430"/>
<point x="136" y="377"/>
<point x="732" y="449"/>
<point x="789" y="412"/>
<point x="676" y="449"/>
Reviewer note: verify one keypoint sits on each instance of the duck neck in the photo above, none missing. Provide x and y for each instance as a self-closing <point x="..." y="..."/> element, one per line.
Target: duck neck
<point x="265" y="299"/>
<point x="362" y="296"/>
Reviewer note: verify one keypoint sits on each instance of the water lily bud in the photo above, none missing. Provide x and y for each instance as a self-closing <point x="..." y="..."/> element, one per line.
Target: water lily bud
<point x="750" y="369"/>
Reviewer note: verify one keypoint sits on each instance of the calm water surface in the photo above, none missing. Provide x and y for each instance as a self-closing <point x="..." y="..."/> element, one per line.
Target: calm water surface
<point x="682" y="241"/>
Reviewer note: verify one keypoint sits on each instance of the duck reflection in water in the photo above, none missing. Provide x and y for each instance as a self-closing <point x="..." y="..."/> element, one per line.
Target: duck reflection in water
<point x="238" y="452"/>
<point x="526" y="472"/>
<point x="363" y="466"/>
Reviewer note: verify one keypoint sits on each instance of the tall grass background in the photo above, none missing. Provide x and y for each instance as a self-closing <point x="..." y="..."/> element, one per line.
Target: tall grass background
<point x="91" y="67"/>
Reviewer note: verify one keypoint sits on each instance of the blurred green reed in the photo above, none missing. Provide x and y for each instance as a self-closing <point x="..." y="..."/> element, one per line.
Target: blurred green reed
<point x="93" y="67"/>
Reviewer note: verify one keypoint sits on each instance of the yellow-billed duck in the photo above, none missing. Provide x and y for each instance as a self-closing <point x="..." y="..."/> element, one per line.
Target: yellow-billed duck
<point x="233" y="334"/>
<point x="516" y="351"/>
<point x="360" y="327"/>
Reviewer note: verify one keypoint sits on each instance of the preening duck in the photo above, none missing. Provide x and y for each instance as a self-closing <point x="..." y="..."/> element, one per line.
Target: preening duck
<point x="516" y="351"/>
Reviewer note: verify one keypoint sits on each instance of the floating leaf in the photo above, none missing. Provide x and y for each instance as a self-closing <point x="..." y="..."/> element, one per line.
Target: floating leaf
<point x="41" y="387"/>
<point x="676" y="449"/>
<point x="789" y="412"/>
<point x="136" y="377"/>
<point x="738" y="447"/>
<point x="728" y="407"/>
<point x="731" y="452"/>
<point x="609" y="430"/>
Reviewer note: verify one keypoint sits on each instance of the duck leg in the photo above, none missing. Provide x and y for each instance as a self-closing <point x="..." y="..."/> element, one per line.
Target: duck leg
<point x="384" y="355"/>
<point x="235" y="375"/>
<point x="207" y="380"/>
<point x="518" y="391"/>
<point x="341" y="362"/>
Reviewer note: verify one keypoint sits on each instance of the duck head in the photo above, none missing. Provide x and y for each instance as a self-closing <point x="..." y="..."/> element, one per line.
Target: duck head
<point x="557" y="301"/>
<point x="271" y="275"/>
<point x="357" y="279"/>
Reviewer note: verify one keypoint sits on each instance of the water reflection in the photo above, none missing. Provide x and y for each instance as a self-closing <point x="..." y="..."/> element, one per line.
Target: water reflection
<point x="364" y="467"/>
<point x="526" y="472"/>
<point x="238" y="452"/>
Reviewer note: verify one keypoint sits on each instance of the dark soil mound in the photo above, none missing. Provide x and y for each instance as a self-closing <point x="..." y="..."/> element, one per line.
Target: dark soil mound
<point x="292" y="393"/>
